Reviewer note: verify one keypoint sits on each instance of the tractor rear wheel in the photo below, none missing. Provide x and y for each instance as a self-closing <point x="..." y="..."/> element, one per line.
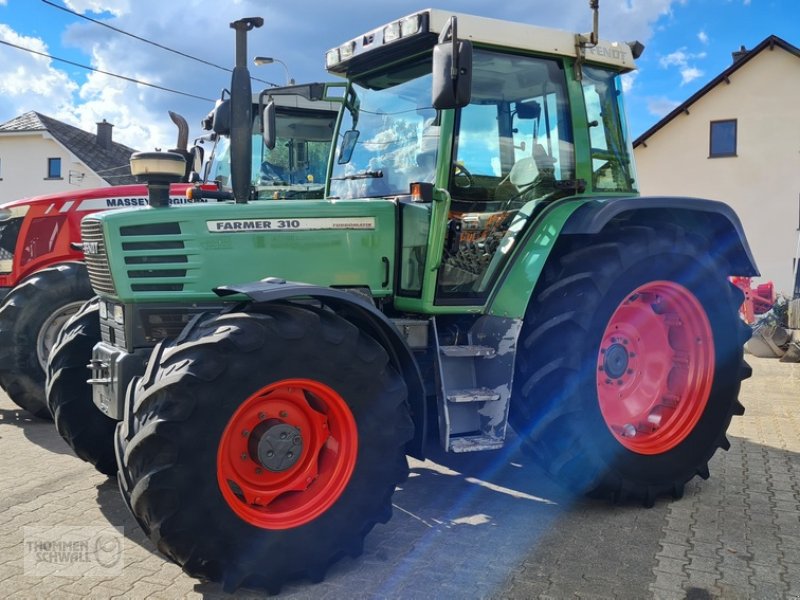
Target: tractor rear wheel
<point x="262" y="446"/>
<point x="30" y="318"/>
<point x="88" y="431"/>
<point x="630" y="364"/>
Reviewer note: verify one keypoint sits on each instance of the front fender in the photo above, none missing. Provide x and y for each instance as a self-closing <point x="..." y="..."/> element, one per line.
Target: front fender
<point x="364" y="315"/>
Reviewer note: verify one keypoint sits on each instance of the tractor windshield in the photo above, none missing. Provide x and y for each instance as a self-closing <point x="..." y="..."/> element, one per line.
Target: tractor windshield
<point x="388" y="136"/>
<point x="296" y="167"/>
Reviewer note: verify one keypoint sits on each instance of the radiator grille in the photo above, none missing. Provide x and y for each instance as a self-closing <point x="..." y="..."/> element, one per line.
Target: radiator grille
<point x="97" y="260"/>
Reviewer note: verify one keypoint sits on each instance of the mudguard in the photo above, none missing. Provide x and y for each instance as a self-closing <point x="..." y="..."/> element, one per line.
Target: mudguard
<point x="714" y="219"/>
<point x="364" y="315"/>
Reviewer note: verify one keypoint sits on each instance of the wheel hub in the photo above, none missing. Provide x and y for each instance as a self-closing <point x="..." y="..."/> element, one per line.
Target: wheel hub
<point x="655" y="367"/>
<point x="276" y="445"/>
<point x="615" y="361"/>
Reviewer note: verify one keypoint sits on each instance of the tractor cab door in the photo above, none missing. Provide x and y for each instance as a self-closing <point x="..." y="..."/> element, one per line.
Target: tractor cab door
<point x="512" y="144"/>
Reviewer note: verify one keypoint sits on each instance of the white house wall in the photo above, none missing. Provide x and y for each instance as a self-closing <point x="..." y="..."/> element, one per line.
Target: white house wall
<point x="761" y="183"/>
<point x="23" y="167"/>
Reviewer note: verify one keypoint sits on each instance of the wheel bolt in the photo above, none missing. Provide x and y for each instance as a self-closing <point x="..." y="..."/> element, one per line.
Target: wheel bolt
<point x="262" y="416"/>
<point x="270" y="454"/>
<point x="258" y="471"/>
<point x="630" y="371"/>
<point x="283" y="435"/>
<point x="289" y="454"/>
<point x="296" y="440"/>
<point x="284" y="414"/>
<point x="619" y="381"/>
<point x="245" y="433"/>
<point x="608" y="381"/>
<point x="244" y="456"/>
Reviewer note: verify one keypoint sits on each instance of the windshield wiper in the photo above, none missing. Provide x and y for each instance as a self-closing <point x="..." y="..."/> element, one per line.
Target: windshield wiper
<point x="362" y="175"/>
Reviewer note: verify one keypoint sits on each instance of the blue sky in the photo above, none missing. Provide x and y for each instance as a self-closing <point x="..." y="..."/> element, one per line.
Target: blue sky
<point x="688" y="42"/>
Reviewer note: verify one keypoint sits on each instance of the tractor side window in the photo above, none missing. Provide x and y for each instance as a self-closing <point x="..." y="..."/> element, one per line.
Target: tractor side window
<point x="513" y="145"/>
<point x="612" y="153"/>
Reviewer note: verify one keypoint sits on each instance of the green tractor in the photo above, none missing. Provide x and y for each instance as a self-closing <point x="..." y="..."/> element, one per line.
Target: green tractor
<point x="481" y="260"/>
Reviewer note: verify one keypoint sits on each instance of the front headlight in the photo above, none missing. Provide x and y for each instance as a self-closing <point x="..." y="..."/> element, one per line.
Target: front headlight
<point x="119" y="314"/>
<point x="5" y="214"/>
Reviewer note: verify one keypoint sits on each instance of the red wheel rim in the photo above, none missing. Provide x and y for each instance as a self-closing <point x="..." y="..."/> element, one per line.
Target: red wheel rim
<point x="655" y="367"/>
<point x="287" y="454"/>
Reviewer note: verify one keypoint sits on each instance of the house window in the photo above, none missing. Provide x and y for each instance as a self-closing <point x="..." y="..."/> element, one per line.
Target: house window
<point x="723" y="138"/>
<point x="54" y="168"/>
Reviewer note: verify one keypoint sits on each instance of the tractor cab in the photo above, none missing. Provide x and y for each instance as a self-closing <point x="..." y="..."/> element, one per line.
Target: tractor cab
<point x="525" y="134"/>
<point x="296" y="165"/>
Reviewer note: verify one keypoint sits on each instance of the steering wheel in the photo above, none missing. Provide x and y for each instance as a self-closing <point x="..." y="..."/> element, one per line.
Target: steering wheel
<point x="460" y="171"/>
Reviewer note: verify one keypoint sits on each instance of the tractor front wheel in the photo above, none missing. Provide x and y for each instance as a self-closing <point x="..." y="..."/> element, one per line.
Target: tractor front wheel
<point x="262" y="446"/>
<point x="30" y="318"/>
<point x="88" y="431"/>
<point x="630" y="364"/>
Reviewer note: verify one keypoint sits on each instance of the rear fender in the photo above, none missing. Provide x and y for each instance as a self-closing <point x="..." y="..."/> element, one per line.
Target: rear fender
<point x="715" y="220"/>
<point x="578" y="216"/>
<point x="364" y="315"/>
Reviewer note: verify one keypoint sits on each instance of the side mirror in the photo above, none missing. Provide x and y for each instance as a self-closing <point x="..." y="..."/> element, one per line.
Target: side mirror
<point x="349" y="140"/>
<point x="268" y="124"/>
<point x="452" y="70"/>
<point x="221" y="118"/>
<point x="197" y="155"/>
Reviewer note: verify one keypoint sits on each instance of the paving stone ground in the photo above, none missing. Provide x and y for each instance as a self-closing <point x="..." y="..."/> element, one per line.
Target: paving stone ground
<point x="488" y="526"/>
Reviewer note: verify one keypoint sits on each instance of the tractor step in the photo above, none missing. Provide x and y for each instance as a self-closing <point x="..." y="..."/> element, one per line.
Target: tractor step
<point x="468" y="351"/>
<point x="475" y="443"/>
<point x="475" y="378"/>
<point x="480" y="394"/>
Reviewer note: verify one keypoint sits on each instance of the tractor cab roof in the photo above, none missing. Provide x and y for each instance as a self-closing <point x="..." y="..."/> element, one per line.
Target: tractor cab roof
<point x="421" y="29"/>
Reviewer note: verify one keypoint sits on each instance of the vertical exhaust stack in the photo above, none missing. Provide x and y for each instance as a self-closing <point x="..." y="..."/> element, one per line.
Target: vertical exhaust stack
<point x="242" y="113"/>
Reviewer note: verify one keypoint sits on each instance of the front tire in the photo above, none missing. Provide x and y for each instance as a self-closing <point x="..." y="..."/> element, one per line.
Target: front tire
<point x="630" y="364"/>
<point x="30" y="318"/>
<point x="265" y="445"/>
<point x="83" y="426"/>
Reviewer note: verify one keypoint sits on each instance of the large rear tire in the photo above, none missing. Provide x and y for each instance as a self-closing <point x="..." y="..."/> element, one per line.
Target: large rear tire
<point x="83" y="426"/>
<point x="30" y="318"/>
<point x="262" y="446"/>
<point x="630" y="364"/>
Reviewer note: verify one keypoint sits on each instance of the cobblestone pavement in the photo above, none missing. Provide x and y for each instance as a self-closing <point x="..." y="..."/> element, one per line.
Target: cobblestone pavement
<point x="488" y="526"/>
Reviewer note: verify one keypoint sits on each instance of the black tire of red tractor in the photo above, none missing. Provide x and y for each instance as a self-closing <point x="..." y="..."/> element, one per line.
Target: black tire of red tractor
<point x="555" y="407"/>
<point x="192" y="387"/>
<point x="23" y="313"/>
<point x="83" y="426"/>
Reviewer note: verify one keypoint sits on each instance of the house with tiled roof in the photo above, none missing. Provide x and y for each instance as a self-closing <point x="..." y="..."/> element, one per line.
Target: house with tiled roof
<point x="42" y="155"/>
<point x="737" y="140"/>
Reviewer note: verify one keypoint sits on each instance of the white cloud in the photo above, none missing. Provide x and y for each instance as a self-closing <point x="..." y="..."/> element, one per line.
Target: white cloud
<point x="690" y="74"/>
<point x="115" y="7"/>
<point x="628" y="81"/>
<point x="681" y="59"/>
<point x="139" y="114"/>
<point x="703" y="37"/>
<point x="29" y="81"/>
<point x="660" y="106"/>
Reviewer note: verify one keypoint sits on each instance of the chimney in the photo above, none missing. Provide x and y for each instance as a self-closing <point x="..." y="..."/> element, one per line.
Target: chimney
<point x="738" y="54"/>
<point x="104" y="134"/>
